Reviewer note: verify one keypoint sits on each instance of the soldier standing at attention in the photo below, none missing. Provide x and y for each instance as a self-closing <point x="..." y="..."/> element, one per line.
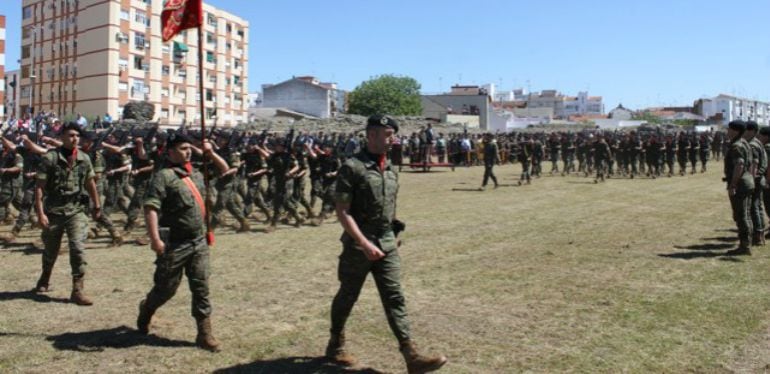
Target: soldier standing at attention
<point x="602" y="155"/>
<point x="740" y="184"/>
<point x="758" y="169"/>
<point x="63" y="178"/>
<point x="365" y="198"/>
<point x="525" y="157"/>
<point x="491" y="157"/>
<point x="764" y="137"/>
<point x="173" y="206"/>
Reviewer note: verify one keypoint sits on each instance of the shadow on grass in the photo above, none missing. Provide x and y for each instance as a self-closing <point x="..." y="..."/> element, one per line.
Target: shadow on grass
<point x="292" y="365"/>
<point x="690" y="255"/>
<point x="467" y="190"/>
<point x="118" y="337"/>
<point x="723" y="239"/>
<point x="30" y="295"/>
<point x="706" y="246"/>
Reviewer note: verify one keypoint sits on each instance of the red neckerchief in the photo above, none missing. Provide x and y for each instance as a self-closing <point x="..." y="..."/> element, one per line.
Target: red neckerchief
<point x="381" y="163"/>
<point x="71" y="159"/>
<point x="187" y="166"/>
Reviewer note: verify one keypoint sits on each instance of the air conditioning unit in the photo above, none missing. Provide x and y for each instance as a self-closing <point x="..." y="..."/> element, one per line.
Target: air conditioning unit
<point x="146" y="44"/>
<point x="122" y="67"/>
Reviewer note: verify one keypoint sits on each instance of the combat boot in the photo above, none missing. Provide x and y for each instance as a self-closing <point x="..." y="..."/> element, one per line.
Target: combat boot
<point x="205" y="340"/>
<point x="144" y="320"/>
<point x="743" y="247"/>
<point x="117" y="239"/>
<point x="417" y="363"/>
<point x="335" y="351"/>
<point x="270" y="228"/>
<point x="11" y="237"/>
<point x="42" y="282"/>
<point x="298" y="221"/>
<point x="130" y="226"/>
<point x="78" y="296"/>
<point x="244" y="225"/>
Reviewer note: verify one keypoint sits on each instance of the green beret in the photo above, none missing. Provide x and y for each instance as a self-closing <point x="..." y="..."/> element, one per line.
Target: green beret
<point x="765" y="130"/>
<point x="177" y="138"/>
<point x="752" y="126"/>
<point x="378" y="120"/>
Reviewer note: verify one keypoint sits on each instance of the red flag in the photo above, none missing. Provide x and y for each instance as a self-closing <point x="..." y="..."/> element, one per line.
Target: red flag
<point x="179" y="15"/>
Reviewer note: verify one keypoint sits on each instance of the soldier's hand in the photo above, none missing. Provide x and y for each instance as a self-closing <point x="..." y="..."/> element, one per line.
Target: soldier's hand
<point x="371" y="251"/>
<point x="42" y="219"/>
<point x="731" y="191"/>
<point x="158" y="246"/>
<point x="96" y="213"/>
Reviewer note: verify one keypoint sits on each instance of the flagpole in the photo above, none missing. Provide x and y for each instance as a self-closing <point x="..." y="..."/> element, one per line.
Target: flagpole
<point x="203" y="128"/>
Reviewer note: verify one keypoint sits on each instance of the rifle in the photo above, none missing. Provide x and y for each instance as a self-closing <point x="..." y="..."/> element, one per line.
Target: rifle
<point x="102" y="136"/>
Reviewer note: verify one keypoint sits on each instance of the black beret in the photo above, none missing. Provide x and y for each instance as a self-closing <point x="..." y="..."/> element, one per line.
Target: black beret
<point x="177" y="138"/>
<point x="737" y="125"/>
<point x="379" y="120"/>
<point x="765" y="130"/>
<point x="89" y="135"/>
<point x="71" y="126"/>
<point x="752" y="126"/>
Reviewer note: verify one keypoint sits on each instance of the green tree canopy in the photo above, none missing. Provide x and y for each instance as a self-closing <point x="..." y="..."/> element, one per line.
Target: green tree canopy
<point x="386" y="94"/>
<point x="139" y="110"/>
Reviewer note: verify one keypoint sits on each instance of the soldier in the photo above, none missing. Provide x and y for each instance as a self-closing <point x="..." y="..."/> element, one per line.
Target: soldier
<point x="693" y="152"/>
<point x="283" y="166"/>
<point x="328" y="165"/>
<point x="97" y="160"/>
<point x="227" y="187"/>
<point x="683" y="148"/>
<point x="11" y="165"/>
<point x="764" y="137"/>
<point x="602" y="154"/>
<point x="491" y="157"/>
<point x="174" y="212"/>
<point x="758" y="169"/>
<point x="31" y="154"/>
<point x="525" y="157"/>
<point x="553" y="152"/>
<point x="63" y="177"/>
<point x="538" y="152"/>
<point x="568" y="154"/>
<point x="705" y="151"/>
<point x="366" y="208"/>
<point x="142" y="167"/>
<point x="670" y="154"/>
<point x="256" y="169"/>
<point x="300" y="180"/>
<point x="740" y="185"/>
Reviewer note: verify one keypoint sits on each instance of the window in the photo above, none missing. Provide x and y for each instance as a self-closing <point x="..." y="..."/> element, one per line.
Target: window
<point x="209" y="95"/>
<point x="125" y="14"/>
<point x="183" y="114"/>
<point x="123" y="86"/>
<point x="141" y="17"/>
<point x="210" y="57"/>
<point x="228" y="46"/>
<point x="182" y="72"/>
<point x="139" y="89"/>
<point x="165" y="48"/>
<point x="25" y="71"/>
<point x="27" y="12"/>
<point x="211" y="19"/>
<point x="240" y="32"/>
<point x="229" y="28"/>
<point x="164" y="113"/>
<point x="122" y="64"/>
<point x="164" y="92"/>
<point x="26" y="32"/>
<point x="210" y="38"/>
<point x="139" y="41"/>
<point x="165" y="70"/>
<point x="182" y="93"/>
<point x="236" y="80"/>
<point x="138" y="62"/>
<point x="25" y="51"/>
<point x="213" y="78"/>
<point x="122" y="37"/>
<point x="237" y="63"/>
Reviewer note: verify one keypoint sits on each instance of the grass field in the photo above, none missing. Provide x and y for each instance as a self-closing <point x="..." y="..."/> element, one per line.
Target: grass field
<point x="559" y="276"/>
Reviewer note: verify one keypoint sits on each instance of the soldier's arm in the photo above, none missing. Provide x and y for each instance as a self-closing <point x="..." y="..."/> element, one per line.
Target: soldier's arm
<point x="151" y="219"/>
<point x="41" y="217"/>
<point x="343" y="197"/>
<point x="111" y="148"/>
<point x="216" y="159"/>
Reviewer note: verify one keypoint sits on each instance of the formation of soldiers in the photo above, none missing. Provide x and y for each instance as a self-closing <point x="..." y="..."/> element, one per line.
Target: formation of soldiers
<point x="71" y="172"/>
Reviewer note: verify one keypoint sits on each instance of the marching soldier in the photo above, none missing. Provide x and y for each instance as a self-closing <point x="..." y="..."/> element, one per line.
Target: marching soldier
<point x="63" y="178"/>
<point x="758" y="169"/>
<point x="174" y="212"/>
<point x="283" y="166"/>
<point x="227" y="188"/>
<point x="491" y="157"/>
<point x="366" y="208"/>
<point x="141" y="173"/>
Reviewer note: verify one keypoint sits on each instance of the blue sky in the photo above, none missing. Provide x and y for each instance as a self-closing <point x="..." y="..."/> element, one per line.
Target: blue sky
<point x="640" y="53"/>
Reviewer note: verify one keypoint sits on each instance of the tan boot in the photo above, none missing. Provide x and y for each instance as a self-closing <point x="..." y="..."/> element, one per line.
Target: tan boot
<point x="416" y="363"/>
<point x="335" y="351"/>
<point x="42" y="282"/>
<point x="244" y="225"/>
<point x="270" y="228"/>
<point x="117" y="239"/>
<point x="205" y="339"/>
<point x="78" y="296"/>
<point x="11" y="237"/>
<point x="142" y="241"/>
<point x="144" y="320"/>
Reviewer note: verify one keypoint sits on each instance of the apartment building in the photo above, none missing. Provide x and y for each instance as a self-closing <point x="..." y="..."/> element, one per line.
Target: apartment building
<point x="12" y="94"/>
<point x="94" y="56"/>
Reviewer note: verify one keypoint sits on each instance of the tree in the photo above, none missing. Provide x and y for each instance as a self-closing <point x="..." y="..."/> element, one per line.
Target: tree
<point x="386" y="94"/>
<point x="139" y="110"/>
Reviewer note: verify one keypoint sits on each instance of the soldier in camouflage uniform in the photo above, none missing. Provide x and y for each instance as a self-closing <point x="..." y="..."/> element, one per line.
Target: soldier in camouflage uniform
<point x="142" y="166"/>
<point x="226" y="186"/>
<point x="256" y="169"/>
<point x="764" y="137"/>
<point x="491" y="158"/>
<point x="328" y="166"/>
<point x="25" y="193"/>
<point x="175" y="216"/>
<point x="11" y="165"/>
<point x="683" y="148"/>
<point x="366" y="208"/>
<point x="758" y="170"/>
<point x="63" y="178"/>
<point x="300" y="181"/>
<point x="740" y="184"/>
<point x="283" y="166"/>
<point x="602" y="155"/>
<point x="97" y="160"/>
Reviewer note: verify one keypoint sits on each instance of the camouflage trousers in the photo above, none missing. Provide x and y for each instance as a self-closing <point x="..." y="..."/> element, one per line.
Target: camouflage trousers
<point x="76" y="227"/>
<point x="9" y="195"/>
<point x="282" y="200"/>
<point x="298" y="194"/>
<point x="741" y="206"/>
<point x="135" y="206"/>
<point x="25" y="208"/>
<point x="352" y="272"/>
<point x="228" y="199"/>
<point x="254" y="197"/>
<point x="489" y="173"/>
<point x="190" y="258"/>
<point x="757" y="209"/>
